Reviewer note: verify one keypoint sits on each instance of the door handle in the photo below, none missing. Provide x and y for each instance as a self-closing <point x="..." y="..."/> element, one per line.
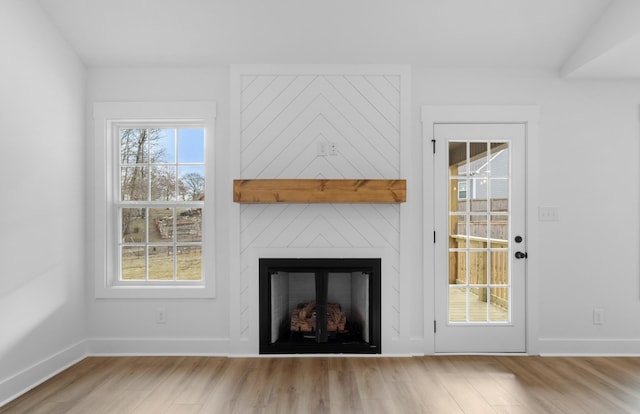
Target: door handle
<point x="520" y="255"/>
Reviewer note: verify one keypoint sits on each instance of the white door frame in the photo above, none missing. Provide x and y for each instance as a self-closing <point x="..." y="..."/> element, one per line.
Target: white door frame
<point x="527" y="114"/>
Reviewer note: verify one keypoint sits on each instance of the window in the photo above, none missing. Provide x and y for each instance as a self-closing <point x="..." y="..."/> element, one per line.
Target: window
<point x="462" y="190"/>
<point x="161" y="203"/>
<point x="156" y="239"/>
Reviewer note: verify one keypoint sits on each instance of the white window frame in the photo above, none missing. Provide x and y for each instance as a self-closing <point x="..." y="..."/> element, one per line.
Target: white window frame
<point x="108" y="117"/>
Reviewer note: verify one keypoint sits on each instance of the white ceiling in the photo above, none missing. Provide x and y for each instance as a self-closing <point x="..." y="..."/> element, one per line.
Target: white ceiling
<point x="443" y="33"/>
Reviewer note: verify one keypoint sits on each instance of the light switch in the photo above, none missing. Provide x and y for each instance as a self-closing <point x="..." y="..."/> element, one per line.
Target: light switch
<point x="322" y="149"/>
<point x="548" y="213"/>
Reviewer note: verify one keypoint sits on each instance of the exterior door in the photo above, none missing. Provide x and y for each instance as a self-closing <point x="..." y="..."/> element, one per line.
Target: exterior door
<point x="480" y="247"/>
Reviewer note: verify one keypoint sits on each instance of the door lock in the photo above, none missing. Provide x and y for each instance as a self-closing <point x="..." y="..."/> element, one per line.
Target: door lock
<point x="521" y="255"/>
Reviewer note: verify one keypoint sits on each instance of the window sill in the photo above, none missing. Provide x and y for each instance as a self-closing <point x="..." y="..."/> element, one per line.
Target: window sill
<point x="154" y="292"/>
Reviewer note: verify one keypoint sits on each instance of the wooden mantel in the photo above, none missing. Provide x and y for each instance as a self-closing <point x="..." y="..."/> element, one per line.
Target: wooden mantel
<point x="319" y="191"/>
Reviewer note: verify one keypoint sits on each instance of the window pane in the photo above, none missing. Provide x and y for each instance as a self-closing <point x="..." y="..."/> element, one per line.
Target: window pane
<point x="458" y="226"/>
<point x="499" y="267"/>
<point x="499" y="230"/>
<point x="134" y="184"/>
<point x="160" y="225"/>
<point x="189" y="263"/>
<point x="478" y="228"/>
<point x="478" y="305"/>
<point x="189" y="224"/>
<point x="457" y="194"/>
<point x="134" y="228"/>
<point x="164" y="146"/>
<point x="163" y="183"/>
<point x="134" y="146"/>
<point x="191" y="145"/>
<point x="133" y="263"/>
<point x="457" y="304"/>
<point x="499" y="304"/>
<point x="478" y="164"/>
<point x="499" y="160"/>
<point x="500" y="207"/>
<point x="477" y="267"/>
<point x="160" y="262"/>
<point x="499" y="194"/>
<point x="458" y="159"/>
<point x="478" y="194"/>
<point x="191" y="183"/>
<point x="457" y="267"/>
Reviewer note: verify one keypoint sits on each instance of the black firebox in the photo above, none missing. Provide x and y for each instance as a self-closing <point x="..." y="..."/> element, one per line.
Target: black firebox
<point x="320" y="306"/>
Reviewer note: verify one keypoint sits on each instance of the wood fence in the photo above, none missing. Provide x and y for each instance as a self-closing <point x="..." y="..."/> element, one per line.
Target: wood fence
<point x="488" y="265"/>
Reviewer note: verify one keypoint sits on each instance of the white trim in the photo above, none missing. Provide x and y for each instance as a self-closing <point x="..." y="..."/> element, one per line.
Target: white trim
<point x="235" y="129"/>
<point x="479" y="113"/>
<point x="158" y="346"/>
<point x="105" y="114"/>
<point x="29" y="378"/>
<point x="411" y="229"/>
<point x="528" y="114"/>
<point x="618" y="347"/>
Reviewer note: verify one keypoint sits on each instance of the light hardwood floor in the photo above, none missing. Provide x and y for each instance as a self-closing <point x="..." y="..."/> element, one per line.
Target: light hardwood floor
<point x="434" y="384"/>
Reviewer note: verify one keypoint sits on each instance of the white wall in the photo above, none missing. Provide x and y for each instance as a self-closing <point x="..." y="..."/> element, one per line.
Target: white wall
<point x="42" y="303"/>
<point x="196" y="325"/>
<point x="588" y="167"/>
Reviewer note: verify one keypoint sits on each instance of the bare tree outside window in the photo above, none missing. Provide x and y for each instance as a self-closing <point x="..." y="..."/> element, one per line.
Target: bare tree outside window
<point x="194" y="185"/>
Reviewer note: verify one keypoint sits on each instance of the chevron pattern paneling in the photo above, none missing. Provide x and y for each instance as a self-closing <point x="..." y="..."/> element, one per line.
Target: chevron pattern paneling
<point x="283" y="117"/>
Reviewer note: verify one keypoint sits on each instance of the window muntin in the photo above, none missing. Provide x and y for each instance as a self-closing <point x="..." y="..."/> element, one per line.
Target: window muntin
<point x="160" y="203"/>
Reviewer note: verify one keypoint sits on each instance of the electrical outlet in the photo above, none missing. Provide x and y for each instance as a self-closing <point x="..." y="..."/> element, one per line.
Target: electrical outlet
<point x="161" y="315"/>
<point x="333" y="148"/>
<point x="598" y="316"/>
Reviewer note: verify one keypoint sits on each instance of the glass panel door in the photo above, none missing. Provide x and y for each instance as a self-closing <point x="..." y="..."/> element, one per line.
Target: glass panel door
<point x="480" y="202"/>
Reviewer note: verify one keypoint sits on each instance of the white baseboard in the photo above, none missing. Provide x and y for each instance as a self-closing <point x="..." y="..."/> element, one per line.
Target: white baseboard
<point x="158" y="347"/>
<point x="420" y="347"/>
<point x="588" y="347"/>
<point x="18" y="384"/>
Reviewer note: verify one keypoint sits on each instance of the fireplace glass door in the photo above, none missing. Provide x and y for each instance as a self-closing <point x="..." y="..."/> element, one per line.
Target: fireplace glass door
<point x="320" y="306"/>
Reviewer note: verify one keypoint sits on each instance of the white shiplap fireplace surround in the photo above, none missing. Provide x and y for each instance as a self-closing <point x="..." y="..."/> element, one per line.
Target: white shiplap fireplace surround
<point x="280" y="116"/>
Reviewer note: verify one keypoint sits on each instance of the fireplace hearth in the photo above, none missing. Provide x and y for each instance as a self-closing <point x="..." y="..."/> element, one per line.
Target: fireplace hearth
<point x="317" y="306"/>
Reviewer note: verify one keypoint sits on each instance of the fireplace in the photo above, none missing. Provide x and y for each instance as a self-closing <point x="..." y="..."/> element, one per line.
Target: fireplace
<point x="320" y="306"/>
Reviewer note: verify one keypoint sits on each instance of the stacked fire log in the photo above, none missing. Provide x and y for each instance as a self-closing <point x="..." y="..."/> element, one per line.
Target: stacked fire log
<point x="303" y="318"/>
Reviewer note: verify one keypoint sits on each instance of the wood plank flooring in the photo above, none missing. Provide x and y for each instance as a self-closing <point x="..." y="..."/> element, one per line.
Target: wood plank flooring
<point x="434" y="384"/>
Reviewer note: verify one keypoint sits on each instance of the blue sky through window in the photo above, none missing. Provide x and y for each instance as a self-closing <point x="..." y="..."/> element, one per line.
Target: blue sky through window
<point x="167" y="143"/>
<point x="190" y="145"/>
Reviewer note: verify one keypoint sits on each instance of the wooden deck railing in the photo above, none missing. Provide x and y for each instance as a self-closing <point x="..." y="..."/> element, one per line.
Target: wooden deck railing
<point x="479" y="260"/>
